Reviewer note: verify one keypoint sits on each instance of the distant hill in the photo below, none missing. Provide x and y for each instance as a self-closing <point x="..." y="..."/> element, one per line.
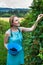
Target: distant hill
<point x="12" y="9"/>
<point x="6" y="12"/>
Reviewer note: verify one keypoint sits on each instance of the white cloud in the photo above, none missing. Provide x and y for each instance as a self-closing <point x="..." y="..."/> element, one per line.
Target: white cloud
<point x="15" y="3"/>
<point x="2" y="4"/>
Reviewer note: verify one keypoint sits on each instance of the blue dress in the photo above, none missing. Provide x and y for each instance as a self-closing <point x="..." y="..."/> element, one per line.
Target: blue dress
<point x="19" y="58"/>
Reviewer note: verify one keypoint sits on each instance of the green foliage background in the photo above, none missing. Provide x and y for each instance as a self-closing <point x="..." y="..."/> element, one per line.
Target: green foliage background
<point x="32" y="42"/>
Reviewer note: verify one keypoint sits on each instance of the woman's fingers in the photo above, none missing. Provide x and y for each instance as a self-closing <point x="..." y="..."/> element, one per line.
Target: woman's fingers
<point x="41" y="15"/>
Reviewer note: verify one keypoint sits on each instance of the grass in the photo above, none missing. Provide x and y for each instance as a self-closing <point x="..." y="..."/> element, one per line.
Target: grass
<point x="7" y="19"/>
<point x="3" y="51"/>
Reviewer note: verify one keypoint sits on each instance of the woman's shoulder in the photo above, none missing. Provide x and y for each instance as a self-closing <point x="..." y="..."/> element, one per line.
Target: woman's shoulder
<point x="20" y="29"/>
<point x="7" y="32"/>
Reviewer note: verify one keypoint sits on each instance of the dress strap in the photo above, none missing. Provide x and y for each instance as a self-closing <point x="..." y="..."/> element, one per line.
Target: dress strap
<point x="11" y="31"/>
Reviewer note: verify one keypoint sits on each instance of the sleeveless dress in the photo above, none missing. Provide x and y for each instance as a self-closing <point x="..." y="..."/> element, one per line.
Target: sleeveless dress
<point x="19" y="58"/>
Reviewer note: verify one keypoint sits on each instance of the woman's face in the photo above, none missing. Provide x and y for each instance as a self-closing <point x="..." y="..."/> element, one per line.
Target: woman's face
<point x="16" y="21"/>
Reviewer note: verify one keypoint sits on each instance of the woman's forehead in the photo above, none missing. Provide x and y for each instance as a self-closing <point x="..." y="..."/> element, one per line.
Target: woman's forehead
<point x="16" y="18"/>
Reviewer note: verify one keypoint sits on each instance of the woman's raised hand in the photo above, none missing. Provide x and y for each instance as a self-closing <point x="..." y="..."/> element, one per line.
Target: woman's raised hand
<point x="40" y="17"/>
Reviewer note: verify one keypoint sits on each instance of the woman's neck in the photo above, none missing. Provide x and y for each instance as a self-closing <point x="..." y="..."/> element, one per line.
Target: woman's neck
<point x="14" y="28"/>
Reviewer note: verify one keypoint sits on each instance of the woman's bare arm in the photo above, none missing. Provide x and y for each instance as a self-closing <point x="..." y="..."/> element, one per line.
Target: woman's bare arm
<point x="29" y="29"/>
<point x="34" y="25"/>
<point x="6" y="40"/>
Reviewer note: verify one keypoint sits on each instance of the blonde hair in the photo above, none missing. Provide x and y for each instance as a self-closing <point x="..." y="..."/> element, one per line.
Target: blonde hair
<point x="11" y="19"/>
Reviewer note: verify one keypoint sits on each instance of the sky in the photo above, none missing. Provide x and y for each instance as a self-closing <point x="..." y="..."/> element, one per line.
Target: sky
<point x="15" y="3"/>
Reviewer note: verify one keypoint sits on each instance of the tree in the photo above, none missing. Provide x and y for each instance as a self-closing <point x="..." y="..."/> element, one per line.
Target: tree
<point x="34" y="40"/>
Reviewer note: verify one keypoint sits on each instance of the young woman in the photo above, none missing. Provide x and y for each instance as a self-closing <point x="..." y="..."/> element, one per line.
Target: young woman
<point x="17" y="37"/>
